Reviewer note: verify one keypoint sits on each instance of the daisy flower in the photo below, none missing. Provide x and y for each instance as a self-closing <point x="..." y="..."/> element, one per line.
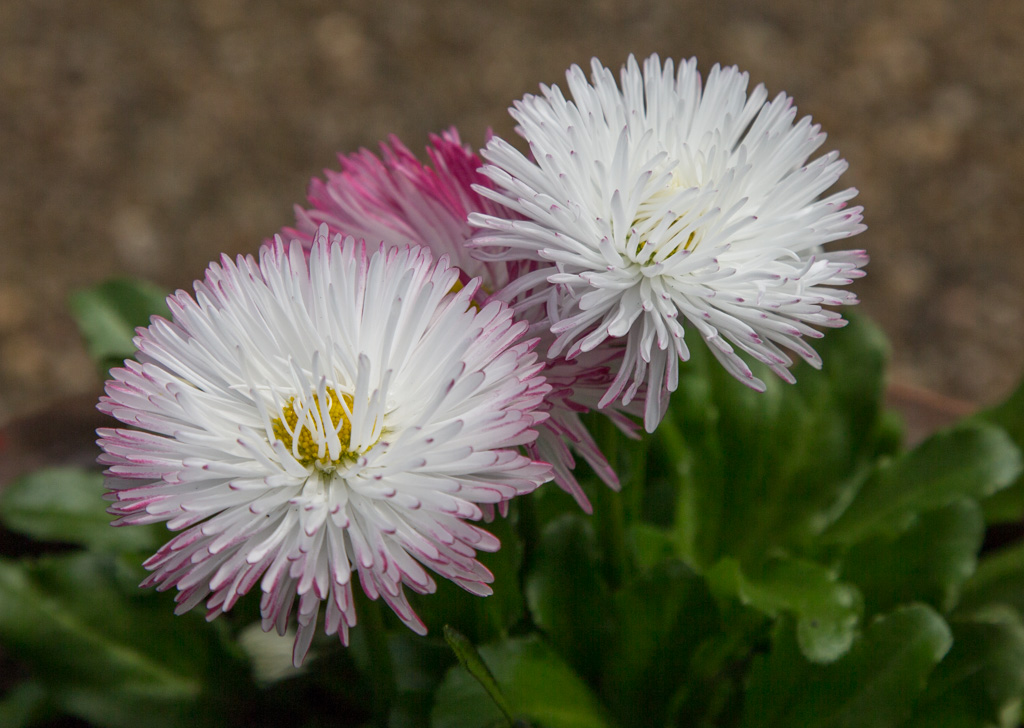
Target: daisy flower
<point x="316" y="416"/>
<point x="396" y="199"/>
<point x="663" y="199"/>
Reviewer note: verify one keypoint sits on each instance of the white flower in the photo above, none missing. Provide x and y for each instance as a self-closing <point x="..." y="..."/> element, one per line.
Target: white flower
<point x="306" y="422"/>
<point x="659" y="201"/>
<point x="398" y="200"/>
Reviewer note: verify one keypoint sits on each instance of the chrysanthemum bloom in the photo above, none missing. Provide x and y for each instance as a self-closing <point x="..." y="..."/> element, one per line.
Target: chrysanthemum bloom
<point x="301" y="420"/>
<point x="398" y="200"/>
<point x="659" y="200"/>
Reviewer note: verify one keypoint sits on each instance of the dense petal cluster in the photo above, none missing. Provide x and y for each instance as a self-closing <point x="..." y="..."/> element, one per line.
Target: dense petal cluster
<point x="321" y="414"/>
<point x="398" y="200"/>
<point x="662" y="199"/>
<point x="348" y="405"/>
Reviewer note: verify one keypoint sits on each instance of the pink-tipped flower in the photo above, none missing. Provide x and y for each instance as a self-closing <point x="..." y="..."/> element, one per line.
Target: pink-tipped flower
<point x="398" y="200"/>
<point x="322" y="415"/>
<point x="662" y="199"/>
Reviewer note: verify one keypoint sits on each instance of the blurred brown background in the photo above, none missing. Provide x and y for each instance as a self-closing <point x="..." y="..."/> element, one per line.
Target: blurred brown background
<point x="145" y="138"/>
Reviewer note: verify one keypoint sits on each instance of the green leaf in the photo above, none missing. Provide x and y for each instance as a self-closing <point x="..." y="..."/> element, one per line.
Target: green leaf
<point x="1008" y="505"/>
<point x="471" y="661"/>
<point x="109" y="659"/>
<point x="66" y="505"/>
<point x="972" y="460"/>
<point x="754" y="471"/>
<point x="564" y="591"/>
<point x="981" y="681"/>
<point x="539" y="686"/>
<point x="827" y="610"/>
<point x="999" y="579"/>
<point x="420" y="666"/>
<point x="875" y="685"/>
<point x="662" y="615"/>
<point x="927" y="563"/>
<point x="108" y="314"/>
<point x="650" y="545"/>
<point x="25" y="705"/>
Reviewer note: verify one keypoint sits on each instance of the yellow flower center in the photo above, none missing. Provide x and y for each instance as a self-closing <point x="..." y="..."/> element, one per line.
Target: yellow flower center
<point x="688" y="245"/>
<point x="308" y="440"/>
<point x="648" y="219"/>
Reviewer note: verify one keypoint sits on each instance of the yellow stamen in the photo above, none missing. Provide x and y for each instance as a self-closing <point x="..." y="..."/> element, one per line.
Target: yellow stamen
<point x="311" y="434"/>
<point x="685" y="246"/>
